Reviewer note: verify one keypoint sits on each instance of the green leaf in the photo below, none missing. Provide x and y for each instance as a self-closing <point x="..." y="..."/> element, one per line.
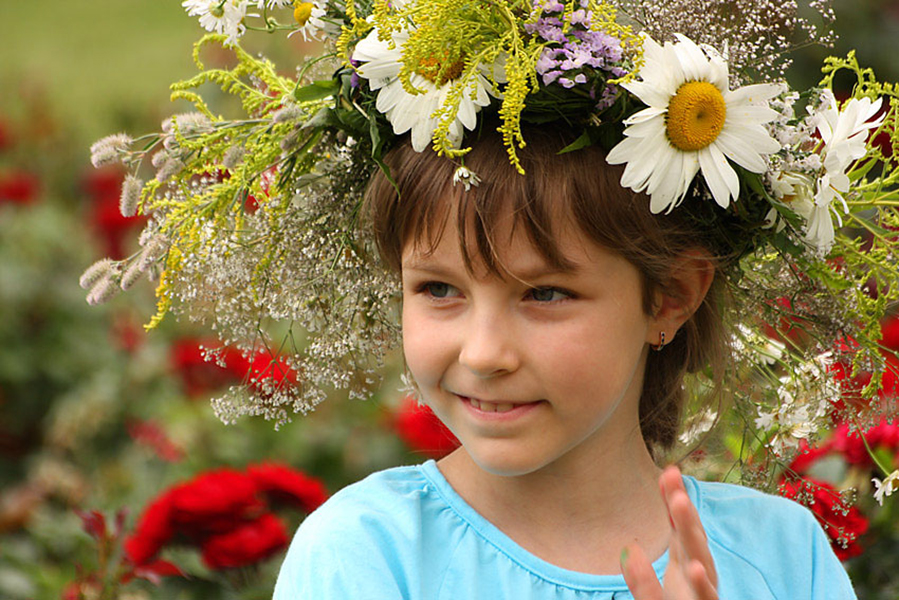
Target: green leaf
<point x="584" y="140"/>
<point x="317" y="90"/>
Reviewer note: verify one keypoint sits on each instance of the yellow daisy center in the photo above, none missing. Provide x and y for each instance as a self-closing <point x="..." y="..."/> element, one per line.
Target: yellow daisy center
<point x="434" y="70"/>
<point x="302" y="12"/>
<point x="695" y="116"/>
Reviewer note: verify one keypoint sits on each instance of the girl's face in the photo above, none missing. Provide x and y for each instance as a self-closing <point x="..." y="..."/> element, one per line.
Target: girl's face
<point x="533" y="369"/>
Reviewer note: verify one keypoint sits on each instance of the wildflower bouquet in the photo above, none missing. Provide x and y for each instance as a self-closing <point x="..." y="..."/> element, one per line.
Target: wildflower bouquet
<point x="254" y="222"/>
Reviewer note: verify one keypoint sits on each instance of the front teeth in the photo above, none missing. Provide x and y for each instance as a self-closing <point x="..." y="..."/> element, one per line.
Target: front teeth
<point x="499" y="407"/>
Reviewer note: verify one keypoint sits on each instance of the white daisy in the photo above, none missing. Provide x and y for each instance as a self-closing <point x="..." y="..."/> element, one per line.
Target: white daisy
<point x="308" y="17"/>
<point x="885" y="487"/>
<point x="221" y="16"/>
<point x="693" y="122"/>
<point x="405" y="111"/>
<point x="845" y="134"/>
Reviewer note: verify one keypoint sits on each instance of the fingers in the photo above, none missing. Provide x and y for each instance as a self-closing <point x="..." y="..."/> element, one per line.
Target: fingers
<point x="699" y="580"/>
<point x="688" y="533"/>
<point x="639" y="575"/>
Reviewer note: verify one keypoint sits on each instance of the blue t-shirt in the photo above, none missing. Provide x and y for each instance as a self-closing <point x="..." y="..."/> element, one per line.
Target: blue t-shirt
<point x="405" y="533"/>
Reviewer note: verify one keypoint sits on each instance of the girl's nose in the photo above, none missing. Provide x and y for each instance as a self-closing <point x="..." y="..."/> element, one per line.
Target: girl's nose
<point x="488" y="348"/>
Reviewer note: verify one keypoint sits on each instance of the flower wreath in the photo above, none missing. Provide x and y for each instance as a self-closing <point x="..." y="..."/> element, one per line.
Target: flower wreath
<point x="253" y="221"/>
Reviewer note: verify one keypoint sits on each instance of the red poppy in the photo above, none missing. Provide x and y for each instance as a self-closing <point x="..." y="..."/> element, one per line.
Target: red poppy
<point x="843" y="524"/>
<point x="281" y="484"/>
<point x="422" y="431"/>
<point x="245" y="544"/>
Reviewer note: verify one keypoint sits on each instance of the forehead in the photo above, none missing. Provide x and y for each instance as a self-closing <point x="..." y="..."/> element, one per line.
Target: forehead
<point x="507" y="243"/>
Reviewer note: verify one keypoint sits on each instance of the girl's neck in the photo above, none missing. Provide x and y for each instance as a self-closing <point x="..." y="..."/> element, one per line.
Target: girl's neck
<point x="578" y="515"/>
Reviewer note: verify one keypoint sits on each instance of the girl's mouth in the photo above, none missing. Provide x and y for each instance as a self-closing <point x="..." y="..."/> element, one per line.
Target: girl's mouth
<point x="485" y="406"/>
<point x="497" y="409"/>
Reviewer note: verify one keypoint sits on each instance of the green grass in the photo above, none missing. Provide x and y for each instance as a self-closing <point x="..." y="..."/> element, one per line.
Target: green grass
<point x="96" y="62"/>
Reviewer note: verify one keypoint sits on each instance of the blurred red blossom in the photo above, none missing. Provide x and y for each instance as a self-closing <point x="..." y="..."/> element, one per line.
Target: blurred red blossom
<point x="104" y="186"/>
<point x="847" y="441"/>
<point x="18" y="187"/>
<point x="226" y="514"/>
<point x="151" y="435"/>
<point x="423" y="432"/>
<point x="283" y="485"/>
<point x="6" y="136"/>
<point x="201" y="377"/>
<point x="844" y="524"/>
<point x="247" y="543"/>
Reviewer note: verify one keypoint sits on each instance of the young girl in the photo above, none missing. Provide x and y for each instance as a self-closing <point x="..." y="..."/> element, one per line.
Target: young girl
<point x="564" y="265"/>
<point x="548" y="320"/>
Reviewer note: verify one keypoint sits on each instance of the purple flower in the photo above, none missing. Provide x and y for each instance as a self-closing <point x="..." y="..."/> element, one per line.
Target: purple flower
<point x="580" y="17"/>
<point x="609" y="94"/>
<point x="547" y="61"/>
<point x="552" y="6"/>
<point x="550" y="76"/>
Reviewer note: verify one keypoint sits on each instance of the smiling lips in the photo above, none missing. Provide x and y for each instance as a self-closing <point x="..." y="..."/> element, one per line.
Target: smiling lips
<point x="493" y="407"/>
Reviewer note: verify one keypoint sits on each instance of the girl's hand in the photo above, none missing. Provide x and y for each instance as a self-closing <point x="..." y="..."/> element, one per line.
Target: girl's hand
<point x="691" y="571"/>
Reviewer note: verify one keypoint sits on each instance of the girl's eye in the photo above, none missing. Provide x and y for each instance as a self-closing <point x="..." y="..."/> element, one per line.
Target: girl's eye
<point x="438" y="289"/>
<point x="549" y="294"/>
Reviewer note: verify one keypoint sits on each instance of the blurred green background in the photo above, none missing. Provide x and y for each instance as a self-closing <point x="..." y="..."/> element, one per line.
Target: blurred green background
<point x="94" y="413"/>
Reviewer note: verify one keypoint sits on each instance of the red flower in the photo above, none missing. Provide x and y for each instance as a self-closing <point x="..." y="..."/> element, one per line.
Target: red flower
<point x="224" y="513"/>
<point x="789" y="326"/>
<point x="6" y="138"/>
<point x="154" y="530"/>
<point x="843" y="524"/>
<point x="200" y="376"/>
<point x="422" y="431"/>
<point x="214" y="502"/>
<point x="105" y="186"/>
<point x="248" y="543"/>
<point x="288" y="486"/>
<point x="808" y="455"/>
<point x="882" y="436"/>
<point x="890" y="333"/>
<point x="18" y="187"/>
<point x="153" y="436"/>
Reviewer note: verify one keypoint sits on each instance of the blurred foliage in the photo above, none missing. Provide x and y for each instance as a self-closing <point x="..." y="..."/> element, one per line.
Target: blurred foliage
<point x="80" y="386"/>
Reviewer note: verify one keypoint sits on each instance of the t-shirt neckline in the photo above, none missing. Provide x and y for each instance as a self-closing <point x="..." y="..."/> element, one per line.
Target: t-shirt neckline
<point x="534" y="564"/>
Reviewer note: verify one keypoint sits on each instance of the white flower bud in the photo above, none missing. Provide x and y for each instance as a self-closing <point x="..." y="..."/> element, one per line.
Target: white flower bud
<point x="132" y="274"/>
<point x="108" y="150"/>
<point x="95" y="272"/>
<point x="103" y="290"/>
<point x="286" y="114"/>
<point x="233" y="156"/>
<point x="170" y="167"/>
<point x="130" y="197"/>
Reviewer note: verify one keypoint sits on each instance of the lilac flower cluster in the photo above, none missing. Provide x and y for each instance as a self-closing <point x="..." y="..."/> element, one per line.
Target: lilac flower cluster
<point x="575" y="51"/>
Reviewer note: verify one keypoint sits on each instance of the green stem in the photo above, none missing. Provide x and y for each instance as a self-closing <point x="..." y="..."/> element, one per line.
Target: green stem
<point x="886" y="472"/>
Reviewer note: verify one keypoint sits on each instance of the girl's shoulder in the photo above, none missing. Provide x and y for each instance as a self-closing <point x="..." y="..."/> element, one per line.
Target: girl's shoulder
<point x="767" y="541"/>
<point x="365" y="541"/>
<point x="734" y="513"/>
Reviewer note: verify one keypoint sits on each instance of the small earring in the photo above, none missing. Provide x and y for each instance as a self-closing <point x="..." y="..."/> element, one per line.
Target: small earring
<point x="661" y="344"/>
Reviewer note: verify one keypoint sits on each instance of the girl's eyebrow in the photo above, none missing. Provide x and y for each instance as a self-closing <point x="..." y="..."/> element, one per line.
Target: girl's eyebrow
<point x="528" y="273"/>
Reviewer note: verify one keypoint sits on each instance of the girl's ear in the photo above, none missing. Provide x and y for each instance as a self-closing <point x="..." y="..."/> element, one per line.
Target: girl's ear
<point x="684" y="292"/>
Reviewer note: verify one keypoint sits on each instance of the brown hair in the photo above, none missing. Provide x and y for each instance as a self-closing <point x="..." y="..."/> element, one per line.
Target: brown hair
<point x="414" y="208"/>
